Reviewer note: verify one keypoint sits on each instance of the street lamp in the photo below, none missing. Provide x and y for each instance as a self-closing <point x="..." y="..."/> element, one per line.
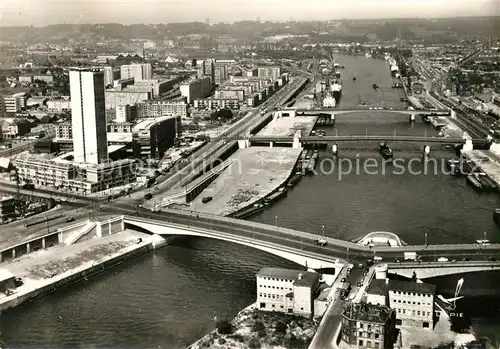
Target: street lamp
<point x="323" y="229"/>
<point x="276" y="221"/>
<point x="425" y="240"/>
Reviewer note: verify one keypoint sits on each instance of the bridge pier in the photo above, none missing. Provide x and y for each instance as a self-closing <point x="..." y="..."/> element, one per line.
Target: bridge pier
<point x="468" y="145"/>
<point x="243" y="143"/>
<point x="495" y="148"/>
<point x="271" y="144"/>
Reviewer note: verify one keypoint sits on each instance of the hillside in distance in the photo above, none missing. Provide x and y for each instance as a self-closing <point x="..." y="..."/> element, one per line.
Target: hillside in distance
<point x="380" y="29"/>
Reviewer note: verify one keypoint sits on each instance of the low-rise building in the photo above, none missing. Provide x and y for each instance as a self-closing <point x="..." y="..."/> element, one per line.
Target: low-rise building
<point x="15" y="102"/>
<point x="59" y="105"/>
<point x="64" y="174"/>
<point x="125" y="113"/>
<point x="412" y="302"/>
<point x="63" y="130"/>
<point x="217" y="103"/>
<point x="230" y="94"/>
<point x="120" y="127"/>
<point x="126" y="96"/>
<point x="287" y="291"/>
<point x="15" y="128"/>
<point x="48" y="79"/>
<point x="161" y="108"/>
<point x="368" y="326"/>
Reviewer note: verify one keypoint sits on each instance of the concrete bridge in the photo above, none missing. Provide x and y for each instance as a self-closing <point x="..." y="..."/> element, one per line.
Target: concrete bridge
<point x="404" y="112"/>
<point x="425" y="270"/>
<point x="301" y="247"/>
<point x="366" y="138"/>
<point x="294" y="252"/>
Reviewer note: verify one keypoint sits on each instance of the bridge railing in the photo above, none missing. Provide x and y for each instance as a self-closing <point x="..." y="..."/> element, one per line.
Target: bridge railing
<point x="210" y="232"/>
<point x="409" y="265"/>
<point x="333" y="241"/>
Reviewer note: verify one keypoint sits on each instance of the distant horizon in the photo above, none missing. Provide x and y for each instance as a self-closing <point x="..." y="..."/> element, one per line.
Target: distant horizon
<point x="41" y="13"/>
<point x="252" y="20"/>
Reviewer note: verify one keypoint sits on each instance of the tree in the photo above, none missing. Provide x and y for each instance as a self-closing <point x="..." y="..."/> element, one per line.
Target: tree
<point x="281" y="327"/>
<point x="194" y="62"/>
<point x="224" y="327"/>
<point x="224" y="114"/>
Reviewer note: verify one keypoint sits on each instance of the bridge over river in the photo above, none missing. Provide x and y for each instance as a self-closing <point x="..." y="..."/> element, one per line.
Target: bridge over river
<point x="302" y="248"/>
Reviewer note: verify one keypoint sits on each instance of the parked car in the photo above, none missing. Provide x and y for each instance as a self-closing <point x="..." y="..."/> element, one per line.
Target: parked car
<point x="70" y="219"/>
<point x="442" y="259"/>
<point x="148" y="196"/>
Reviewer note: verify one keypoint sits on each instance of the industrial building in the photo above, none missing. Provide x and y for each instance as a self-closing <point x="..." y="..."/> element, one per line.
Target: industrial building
<point x="287" y="291"/>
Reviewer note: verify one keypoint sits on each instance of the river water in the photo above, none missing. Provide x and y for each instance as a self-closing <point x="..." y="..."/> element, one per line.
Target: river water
<point x="169" y="298"/>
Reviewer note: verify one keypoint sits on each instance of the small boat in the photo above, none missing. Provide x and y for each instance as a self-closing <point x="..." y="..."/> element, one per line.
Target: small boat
<point x="354" y="78"/>
<point x="375" y="86"/>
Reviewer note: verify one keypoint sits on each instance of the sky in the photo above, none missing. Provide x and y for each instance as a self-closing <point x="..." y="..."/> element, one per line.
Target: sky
<point x="45" y="12"/>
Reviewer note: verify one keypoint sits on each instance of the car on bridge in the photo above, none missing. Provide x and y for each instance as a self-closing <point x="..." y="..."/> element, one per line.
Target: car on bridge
<point x="322" y="242"/>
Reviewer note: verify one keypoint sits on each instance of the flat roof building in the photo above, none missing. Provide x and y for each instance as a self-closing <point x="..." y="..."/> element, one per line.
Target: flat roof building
<point x="88" y="115"/>
<point x="287" y="291"/>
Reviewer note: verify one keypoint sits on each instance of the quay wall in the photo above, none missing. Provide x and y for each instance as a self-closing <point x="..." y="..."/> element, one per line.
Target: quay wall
<point x="72" y="276"/>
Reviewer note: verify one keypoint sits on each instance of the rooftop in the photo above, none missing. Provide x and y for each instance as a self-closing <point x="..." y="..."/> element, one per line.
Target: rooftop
<point x="301" y="277"/>
<point x="367" y="312"/>
<point x="145" y="124"/>
<point x="381" y="287"/>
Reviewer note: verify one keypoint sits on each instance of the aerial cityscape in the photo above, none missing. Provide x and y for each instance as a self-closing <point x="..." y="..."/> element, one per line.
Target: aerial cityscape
<point x="244" y="175"/>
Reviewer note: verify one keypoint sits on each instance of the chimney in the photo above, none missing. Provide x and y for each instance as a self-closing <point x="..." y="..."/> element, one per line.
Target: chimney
<point x="300" y="277"/>
<point x="387" y="281"/>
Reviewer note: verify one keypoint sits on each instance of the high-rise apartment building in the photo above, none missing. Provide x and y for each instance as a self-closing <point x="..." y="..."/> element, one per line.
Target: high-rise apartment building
<point x="269" y="72"/>
<point x="206" y="68"/>
<point x="88" y="115"/>
<point x="138" y="71"/>
<point x="221" y="72"/>
<point x="200" y="88"/>
<point x="108" y="76"/>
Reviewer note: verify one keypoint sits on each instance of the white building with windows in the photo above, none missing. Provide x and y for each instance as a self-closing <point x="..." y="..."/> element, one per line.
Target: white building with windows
<point x="287" y="291"/>
<point x="413" y="302"/>
<point x="88" y="115"/>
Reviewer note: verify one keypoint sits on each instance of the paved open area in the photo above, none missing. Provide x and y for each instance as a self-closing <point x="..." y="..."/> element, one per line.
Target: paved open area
<point x="255" y="173"/>
<point x="488" y="161"/>
<point x="38" y="269"/>
<point x="288" y="126"/>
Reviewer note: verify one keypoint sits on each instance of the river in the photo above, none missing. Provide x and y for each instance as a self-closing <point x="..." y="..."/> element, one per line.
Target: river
<point x="169" y="298"/>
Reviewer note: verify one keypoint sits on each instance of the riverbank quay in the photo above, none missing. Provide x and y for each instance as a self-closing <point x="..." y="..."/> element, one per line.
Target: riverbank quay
<point x="487" y="161"/>
<point x="253" y="328"/>
<point x="48" y="270"/>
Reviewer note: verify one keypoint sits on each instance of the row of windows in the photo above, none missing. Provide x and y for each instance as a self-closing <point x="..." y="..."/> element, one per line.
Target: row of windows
<point x="413" y="312"/>
<point x="270" y="295"/>
<point x="412" y="294"/>
<point x="368" y="335"/>
<point x="276" y="287"/>
<point x="369" y="327"/>
<point x="276" y="279"/>
<point x="408" y="302"/>
<point x="369" y="344"/>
